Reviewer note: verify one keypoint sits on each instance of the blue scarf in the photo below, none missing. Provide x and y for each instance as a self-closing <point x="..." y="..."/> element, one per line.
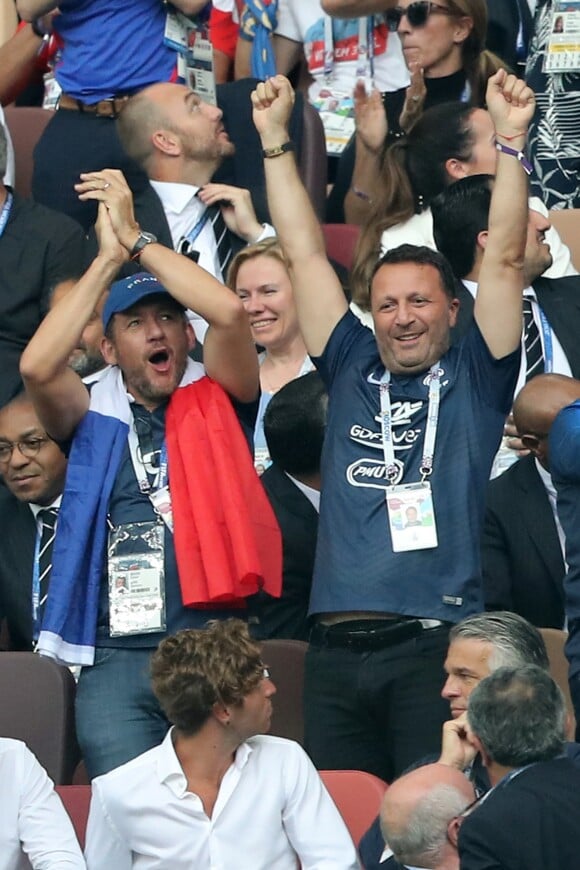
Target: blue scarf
<point x="259" y="20"/>
<point x="70" y="619"/>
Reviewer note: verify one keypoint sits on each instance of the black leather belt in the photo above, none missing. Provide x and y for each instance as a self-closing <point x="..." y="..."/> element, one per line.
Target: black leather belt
<point x="365" y="635"/>
<point x="104" y="108"/>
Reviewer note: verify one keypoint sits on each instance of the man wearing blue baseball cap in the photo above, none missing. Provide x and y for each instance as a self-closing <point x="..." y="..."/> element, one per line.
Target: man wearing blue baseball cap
<point x="162" y="489"/>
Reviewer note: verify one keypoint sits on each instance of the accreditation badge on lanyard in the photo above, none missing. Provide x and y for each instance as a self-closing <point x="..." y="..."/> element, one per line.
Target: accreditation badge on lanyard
<point x="136" y="579"/>
<point x="410" y="510"/>
<point x="336" y="109"/>
<point x="190" y="39"/>
<point x="562" y="52"/>
<point x="136" y="552"/>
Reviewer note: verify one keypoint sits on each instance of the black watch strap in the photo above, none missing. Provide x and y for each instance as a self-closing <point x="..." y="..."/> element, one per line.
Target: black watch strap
<point x="142" y="242"/>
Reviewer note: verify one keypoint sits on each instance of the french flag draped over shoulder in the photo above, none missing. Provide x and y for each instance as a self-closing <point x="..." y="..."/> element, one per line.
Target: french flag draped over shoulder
<point x="70" y="618"/>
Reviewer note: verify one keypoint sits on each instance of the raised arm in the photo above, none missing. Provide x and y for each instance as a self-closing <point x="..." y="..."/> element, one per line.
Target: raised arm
<point x="17" y="62"/>
<point x="355" y="8"/>
<point x="319" y="298"/>
<point x="59" y="395"/>
<point x="229" y="353"/>
<point x="498" y="306"/>
<point x="31" y="9"/>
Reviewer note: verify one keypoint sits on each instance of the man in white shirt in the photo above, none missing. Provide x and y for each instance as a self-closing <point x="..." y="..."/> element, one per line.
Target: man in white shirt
<point x="217" y="792"/>
<point x="35" y="832"/>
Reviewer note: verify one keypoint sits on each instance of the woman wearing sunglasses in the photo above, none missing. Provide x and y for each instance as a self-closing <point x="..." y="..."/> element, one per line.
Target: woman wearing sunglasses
<point x="443" y="45"/>
<point x="448" y="142"/>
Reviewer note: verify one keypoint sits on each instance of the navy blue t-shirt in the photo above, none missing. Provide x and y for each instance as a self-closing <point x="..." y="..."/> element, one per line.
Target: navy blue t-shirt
<point x="128" y="504"/>
<point x="356" y="568"/>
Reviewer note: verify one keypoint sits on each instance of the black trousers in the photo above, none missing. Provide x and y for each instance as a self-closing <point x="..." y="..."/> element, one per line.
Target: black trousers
<point x="376" y="711"/>
<point x="75" y="142"/>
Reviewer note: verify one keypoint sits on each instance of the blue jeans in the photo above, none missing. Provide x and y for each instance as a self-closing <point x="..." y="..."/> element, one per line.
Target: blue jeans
<point x="117" y="714"/>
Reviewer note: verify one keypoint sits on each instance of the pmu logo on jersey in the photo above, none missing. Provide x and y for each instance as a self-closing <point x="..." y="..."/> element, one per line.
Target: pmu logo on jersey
<point x="372" y="473"/>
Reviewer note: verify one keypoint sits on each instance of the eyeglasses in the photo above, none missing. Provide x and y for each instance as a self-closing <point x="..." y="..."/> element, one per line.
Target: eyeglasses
<point x="29" y="447"/>
<point x="417" y="14"/>
<point x="265" y="673"/>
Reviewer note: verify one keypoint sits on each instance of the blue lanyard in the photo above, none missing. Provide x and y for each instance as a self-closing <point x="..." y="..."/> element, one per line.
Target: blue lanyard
<point x="5" y="214"/>
<point x="548" y="346"/>
<point x="162" y="477"/>
<point x="36" y="586"/>
<point x="196" y="230"/>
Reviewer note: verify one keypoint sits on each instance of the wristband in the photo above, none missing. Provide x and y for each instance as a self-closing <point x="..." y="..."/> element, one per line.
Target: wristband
<point x="511" y="138"/>
<point x="278" y="150"/>
<point x="519" y="155"/>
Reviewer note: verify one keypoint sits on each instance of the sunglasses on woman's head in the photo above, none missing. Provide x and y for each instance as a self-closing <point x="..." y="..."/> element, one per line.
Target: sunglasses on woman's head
<point x="417" y="13"/>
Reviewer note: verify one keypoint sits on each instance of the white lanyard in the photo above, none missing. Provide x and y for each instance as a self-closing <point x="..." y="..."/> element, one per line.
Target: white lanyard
<point x="430" y="426"/>
<point x="160" y="479"/>
<point x="365" y="49"/>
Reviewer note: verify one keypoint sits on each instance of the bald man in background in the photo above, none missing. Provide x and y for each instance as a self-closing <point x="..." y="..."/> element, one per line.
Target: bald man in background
<point x="420" y="816"/>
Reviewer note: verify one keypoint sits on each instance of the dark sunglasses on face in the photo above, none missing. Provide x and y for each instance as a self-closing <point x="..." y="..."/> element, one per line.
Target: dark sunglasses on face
<point x="417" y="13"/>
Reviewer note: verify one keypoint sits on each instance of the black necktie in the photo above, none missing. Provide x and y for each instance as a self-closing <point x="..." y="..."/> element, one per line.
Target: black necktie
<point x="532" y="342"/>
<point x="47" y="517"/>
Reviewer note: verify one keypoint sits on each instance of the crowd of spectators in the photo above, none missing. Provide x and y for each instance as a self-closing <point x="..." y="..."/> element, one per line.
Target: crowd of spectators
<point x="210" y="437"/>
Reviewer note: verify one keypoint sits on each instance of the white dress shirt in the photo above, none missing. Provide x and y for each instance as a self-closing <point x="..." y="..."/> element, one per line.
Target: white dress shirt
<point x="560" y="364"/>
<point x="183" y="209"/>
<point x="35" y="830"/>
<point x="271" y="808"/>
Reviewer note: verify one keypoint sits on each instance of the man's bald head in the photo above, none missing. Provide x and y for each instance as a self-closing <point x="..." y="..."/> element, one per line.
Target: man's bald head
<point x="537" y="406"/>
<point x="417" y="811"/>
<point x="141" y="117"/>
<point x="173" y="134"/>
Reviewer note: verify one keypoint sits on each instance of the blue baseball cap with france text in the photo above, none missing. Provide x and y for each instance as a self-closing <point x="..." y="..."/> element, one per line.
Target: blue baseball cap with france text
<point x="129" y="291"/>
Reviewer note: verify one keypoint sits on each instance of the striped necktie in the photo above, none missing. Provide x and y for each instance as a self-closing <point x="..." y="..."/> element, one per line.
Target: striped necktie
<point x="47" y="517"/>
<point x="532" y="342"/>
<point x="224" y="251"/>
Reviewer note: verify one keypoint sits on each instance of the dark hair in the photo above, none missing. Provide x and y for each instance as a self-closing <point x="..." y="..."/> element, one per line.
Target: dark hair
<point x="422" y="256"/>
<point x="515" y="641"/>
<point x="519" y="716"/>
<point x="196" y="668"/>
<point x="413" y="172"/>
<point x="294" y="425"/>
<point x="460" y="213"/>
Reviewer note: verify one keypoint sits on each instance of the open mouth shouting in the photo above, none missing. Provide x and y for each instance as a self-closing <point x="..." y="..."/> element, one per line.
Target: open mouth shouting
<point x="160" y="361"/>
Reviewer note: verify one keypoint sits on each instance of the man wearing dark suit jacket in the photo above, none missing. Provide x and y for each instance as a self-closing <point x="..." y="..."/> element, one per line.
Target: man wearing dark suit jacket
<point x="460" y="228"/>
<point x="531" y="816"/>
<point x="523" y="565"/>
<point x="519" y="575"/>
<point x="180" y="141"/>
<point x="509" y="29"/>
<point x="33" y="469"/>
<point x="294" y="425"/>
